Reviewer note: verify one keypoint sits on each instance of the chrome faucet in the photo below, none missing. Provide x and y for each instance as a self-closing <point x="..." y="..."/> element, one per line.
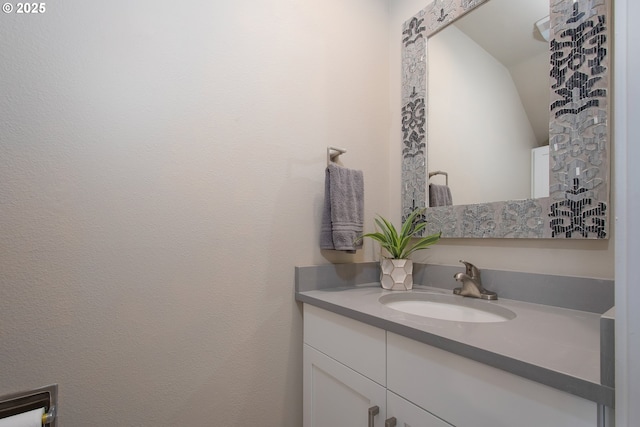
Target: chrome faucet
<point x="472" y="284"/>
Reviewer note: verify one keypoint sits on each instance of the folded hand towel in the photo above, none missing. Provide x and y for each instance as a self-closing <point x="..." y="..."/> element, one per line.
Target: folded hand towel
<point x="439" y="195"/>
<point x="343" y="213"/>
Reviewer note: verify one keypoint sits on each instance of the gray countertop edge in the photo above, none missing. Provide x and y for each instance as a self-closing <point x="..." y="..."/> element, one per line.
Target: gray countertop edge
<point x="594" y="392"/>
<point x="607" y="348"/>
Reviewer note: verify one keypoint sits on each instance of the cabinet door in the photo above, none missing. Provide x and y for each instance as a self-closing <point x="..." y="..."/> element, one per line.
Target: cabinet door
<point x="467" y="393"/>
<point x="337" y="396"/>
<point x="409" y="415"/>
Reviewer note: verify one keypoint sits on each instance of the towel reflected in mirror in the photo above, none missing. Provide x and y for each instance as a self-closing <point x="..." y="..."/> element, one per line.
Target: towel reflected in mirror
<point x="439" y="195"/>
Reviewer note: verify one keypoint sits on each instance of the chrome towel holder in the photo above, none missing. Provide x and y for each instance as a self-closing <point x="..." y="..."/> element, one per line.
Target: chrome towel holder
<point x="446" y="175"/>
<point x="333" y="152"/>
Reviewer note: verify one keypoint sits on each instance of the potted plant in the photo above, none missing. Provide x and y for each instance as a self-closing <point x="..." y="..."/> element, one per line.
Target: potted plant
<point x="397" y="269"/>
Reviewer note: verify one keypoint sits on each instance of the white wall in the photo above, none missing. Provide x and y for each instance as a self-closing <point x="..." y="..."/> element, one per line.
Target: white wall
<point x="161" y="174"/>
<point x="478" y="130"/>
<point x="571" y="258"/>
<point x="529" y="76"/>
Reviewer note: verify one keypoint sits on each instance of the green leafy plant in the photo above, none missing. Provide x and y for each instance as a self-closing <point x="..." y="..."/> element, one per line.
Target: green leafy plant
<point x="397" y="243"/>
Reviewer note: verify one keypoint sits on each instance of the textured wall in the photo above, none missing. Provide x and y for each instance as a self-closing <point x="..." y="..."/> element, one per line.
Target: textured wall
<point x="161" y="174"/>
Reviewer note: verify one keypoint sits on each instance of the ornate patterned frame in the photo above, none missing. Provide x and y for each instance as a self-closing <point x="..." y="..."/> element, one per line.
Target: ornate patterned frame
<point x="578" y="131"/>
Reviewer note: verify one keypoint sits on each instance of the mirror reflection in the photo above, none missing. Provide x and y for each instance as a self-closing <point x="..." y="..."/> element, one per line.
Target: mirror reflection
<point x="488" y="120"/>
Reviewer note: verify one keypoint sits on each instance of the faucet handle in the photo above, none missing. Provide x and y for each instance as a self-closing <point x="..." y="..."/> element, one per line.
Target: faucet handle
<point x="471" y="270"/>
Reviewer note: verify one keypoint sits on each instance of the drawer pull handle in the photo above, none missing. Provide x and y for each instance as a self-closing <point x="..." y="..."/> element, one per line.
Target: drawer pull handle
<point x="373" y="411"/>
<point x="390" y="422"/>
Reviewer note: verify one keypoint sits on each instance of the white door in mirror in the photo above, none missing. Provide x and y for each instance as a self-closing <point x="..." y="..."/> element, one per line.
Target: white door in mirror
<point x="540" y="172"/>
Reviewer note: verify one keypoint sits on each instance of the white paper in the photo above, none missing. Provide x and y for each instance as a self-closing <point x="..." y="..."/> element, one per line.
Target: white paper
<point x="25" y="419"/>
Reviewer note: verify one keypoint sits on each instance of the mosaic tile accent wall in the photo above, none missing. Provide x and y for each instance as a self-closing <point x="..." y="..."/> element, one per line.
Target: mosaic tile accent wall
<point x="579" y="177"/>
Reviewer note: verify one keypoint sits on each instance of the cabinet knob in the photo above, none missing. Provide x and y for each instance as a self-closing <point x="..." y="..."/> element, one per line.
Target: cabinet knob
<point x="373" y="411"/>
<point x="390" y="422"/>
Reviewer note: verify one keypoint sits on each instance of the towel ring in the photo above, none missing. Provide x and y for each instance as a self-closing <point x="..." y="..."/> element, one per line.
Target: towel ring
<point x="446" y="175"/>
<point x="333" y="152"/>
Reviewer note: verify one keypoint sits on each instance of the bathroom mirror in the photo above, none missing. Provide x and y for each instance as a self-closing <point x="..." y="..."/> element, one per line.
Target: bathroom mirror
<point x="497" y="83"/>
<point x="577" y="92"/>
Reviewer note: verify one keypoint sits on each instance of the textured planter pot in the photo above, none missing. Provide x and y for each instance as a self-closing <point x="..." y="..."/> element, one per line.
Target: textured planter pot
<point x="396" y="274"/>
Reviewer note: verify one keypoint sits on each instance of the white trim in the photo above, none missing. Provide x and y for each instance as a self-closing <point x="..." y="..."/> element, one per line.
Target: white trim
<point x="627" y="205"/>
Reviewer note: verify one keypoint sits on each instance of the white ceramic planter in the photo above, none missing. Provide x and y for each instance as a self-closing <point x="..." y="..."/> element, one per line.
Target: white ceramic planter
<point x="396" y="274"/>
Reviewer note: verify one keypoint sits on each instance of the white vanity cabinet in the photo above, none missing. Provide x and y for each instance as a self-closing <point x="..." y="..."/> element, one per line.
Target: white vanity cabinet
<point x="350" y="367"/>
<point x="345" y="376"/>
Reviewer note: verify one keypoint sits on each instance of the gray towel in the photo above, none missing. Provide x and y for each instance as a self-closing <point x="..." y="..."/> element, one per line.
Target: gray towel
<point x="439" y="195"/>
<point x="343" y="214"/>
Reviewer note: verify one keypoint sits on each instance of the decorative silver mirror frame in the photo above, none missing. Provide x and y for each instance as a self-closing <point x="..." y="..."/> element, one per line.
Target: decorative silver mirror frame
<point x="578" y="131"/>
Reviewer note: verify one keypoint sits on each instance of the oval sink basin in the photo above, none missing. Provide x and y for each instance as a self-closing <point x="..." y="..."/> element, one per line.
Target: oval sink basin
<point x="447" y="307"/>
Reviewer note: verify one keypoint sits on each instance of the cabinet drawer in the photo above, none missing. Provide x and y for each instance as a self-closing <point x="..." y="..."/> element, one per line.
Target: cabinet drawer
<point x="467" y="393"/>
<point x="355" y="344"/>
